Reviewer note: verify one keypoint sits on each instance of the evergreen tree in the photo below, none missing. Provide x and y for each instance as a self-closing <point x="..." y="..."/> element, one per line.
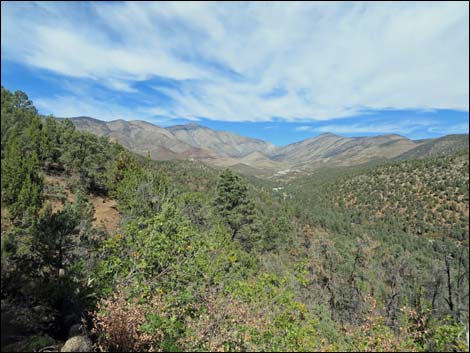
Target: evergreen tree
<point x="233" y="204"/>
<point x="140" y="191"/>
<point x="17" y="112"/>
<point x="21" y="181"/>
<point x="60" y="237"/>
<point x="52" y="148"/>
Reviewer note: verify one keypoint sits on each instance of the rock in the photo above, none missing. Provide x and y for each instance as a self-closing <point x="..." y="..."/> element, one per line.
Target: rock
<point x="77" y="344"/>
<point x="52" y="348"/>
<point x="39" y="309"/>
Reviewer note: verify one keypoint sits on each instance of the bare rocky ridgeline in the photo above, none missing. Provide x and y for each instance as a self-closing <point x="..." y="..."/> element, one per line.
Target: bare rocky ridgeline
<point x="254" y="156"/>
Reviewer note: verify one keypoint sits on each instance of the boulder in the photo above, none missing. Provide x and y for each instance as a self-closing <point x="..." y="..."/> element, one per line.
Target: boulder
<point x="77" y="344"/>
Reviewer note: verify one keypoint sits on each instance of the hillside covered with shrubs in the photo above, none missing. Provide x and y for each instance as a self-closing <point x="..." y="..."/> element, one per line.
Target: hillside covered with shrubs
<point x="188" y="258"/>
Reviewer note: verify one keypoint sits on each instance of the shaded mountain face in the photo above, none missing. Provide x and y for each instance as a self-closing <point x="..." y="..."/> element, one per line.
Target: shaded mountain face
<point x="226" y="149"/>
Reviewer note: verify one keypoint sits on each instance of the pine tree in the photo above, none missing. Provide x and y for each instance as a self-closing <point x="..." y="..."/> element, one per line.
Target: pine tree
<point x="59" y="237"/>
<point x="21" y="181"/>
<point x="232" y="202"/>
<point x="17" y="112"/>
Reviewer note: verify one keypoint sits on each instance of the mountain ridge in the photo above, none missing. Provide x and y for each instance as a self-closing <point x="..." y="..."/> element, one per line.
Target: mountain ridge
<point x="226" y="149"/>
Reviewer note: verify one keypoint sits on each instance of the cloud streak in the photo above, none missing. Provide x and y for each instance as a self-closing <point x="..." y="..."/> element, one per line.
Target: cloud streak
<point x="70" y="106"/>
<point x="411" y="128"/>
<point x="249" y="61"/>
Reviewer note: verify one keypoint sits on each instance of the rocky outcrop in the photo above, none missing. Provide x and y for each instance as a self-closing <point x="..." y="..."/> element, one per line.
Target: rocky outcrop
<point x="77" y="344"/>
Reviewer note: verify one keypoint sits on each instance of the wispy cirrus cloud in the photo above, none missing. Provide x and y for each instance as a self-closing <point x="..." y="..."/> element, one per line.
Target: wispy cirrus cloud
<point x="411" y="128"/>
<point x="305" y="128"/>
<point x="247" y="61"/>
<point x="402" y="126"/>
<point x="449" y="129"/>
<point x="70" y="106"/>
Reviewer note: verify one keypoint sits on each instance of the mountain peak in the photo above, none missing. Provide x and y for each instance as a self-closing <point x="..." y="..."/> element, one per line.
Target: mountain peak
<point x="84" y="118"/>
<point x="190" y="126"/>
<point x="327" y="134"/>
<point x="226" y="148"/>
<point x="395" y="136"/>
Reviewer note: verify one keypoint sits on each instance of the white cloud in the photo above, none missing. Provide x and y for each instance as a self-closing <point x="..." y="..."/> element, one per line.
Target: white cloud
<point x="305" y="128"/>
<point x="452" y="129"/>
<point x="328" y="59"/>
<point x="408" y="127"/>
<point x="72" y="106"/>
<point x="379" y="128"/>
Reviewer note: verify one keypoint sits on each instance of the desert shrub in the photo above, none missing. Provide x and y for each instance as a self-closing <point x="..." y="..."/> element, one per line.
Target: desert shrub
<point x="225" y="323"/>
<point x="447" y="336"/>
<point x="374" y="335"/>
<point x="124" y="323"/>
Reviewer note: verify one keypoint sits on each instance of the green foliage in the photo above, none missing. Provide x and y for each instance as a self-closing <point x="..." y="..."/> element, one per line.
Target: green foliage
<point x="448" y="337"/>
<point x="87" y="155"/>
<point x="60" y="236"/>
<point x="235" y="207"/>
<point x="426" y="197"/>
<point x="17" y="112"/>
<point x="140" y="191"/>
<point x="150" y="248"/>
<point x="371" y="258"/>
<point x="405" y="268"/>
<point x="21" y="181"/>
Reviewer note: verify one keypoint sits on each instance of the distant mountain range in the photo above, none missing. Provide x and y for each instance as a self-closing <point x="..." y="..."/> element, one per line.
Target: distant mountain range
<point x="226" y="149"/>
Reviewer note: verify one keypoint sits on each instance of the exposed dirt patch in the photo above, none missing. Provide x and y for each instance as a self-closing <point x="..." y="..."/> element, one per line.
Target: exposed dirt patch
<point x="57" y="191"/>
<point x="106" y="214"/>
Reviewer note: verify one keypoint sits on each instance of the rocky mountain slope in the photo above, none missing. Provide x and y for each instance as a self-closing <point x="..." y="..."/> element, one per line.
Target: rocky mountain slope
<point x="337" y="150"/>
<point x="141" y="137"/>
<point x="226" y="149"/>
<point x="224" y="143"/>
<point x="436" y="147"/>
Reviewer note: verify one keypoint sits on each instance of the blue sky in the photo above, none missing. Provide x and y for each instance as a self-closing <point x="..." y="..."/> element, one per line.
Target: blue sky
<point x="278" y="71"/>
